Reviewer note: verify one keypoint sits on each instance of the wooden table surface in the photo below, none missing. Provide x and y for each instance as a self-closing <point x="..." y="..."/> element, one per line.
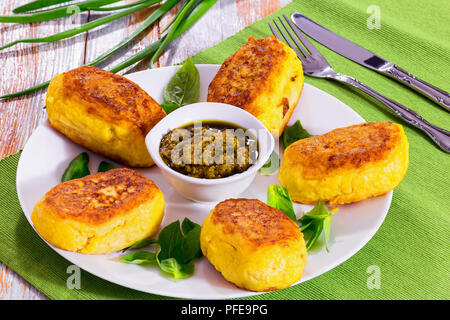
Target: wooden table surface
<point x="25" y="65"/>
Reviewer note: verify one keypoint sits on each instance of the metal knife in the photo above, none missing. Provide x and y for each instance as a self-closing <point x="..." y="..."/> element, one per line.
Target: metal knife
<point x="368" y="59"/>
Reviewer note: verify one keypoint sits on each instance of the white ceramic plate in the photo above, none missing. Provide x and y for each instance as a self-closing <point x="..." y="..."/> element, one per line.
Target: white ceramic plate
<point x="47" y="153"/>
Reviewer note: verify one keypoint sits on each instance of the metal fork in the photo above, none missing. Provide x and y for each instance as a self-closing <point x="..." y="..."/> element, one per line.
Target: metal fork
<point x="315" y="65"/>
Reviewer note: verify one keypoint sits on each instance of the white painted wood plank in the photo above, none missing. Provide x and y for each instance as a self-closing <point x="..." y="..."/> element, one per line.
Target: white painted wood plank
<point x="21" y="67"/>
<point x="26" y="65"/>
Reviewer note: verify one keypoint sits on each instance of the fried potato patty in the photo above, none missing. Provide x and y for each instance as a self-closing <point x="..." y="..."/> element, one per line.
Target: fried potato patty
<point x="103" y="112"/>
<point x="347" y="164"/>
<point x="253" y="245"/>
<point x="265" y="78"/>
<point x="100" y="213"/>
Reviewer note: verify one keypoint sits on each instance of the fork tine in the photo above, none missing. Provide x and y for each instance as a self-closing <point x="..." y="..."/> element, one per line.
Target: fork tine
<point x="302" y="37"/>
<point x="298" y="44"/>
<point x="275" y="33"/>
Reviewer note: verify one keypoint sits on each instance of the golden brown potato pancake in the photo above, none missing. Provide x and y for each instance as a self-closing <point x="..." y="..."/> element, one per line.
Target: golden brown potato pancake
<point x="103" y="112"/>
<point x="265" y="78"/>
<point x="253" y="245"/>
<point x="346" y="164"/>
<point x="103" y="212"/>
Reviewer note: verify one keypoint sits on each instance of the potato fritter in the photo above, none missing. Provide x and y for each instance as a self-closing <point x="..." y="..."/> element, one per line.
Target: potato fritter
<point x="347" y="164"/>
<point x="103" y="212"/>
<point x="253" y="245"/>
<point x="265" y="78"/>
<point x="103" y="112"/>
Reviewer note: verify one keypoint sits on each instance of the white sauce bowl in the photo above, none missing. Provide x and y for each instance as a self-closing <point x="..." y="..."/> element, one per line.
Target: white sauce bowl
<point x="201" y="189"/>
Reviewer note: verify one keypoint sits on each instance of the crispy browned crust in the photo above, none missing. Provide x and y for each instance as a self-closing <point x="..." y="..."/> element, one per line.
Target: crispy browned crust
<point x="346" y="148"/>
<point x="245" y="75"/>
<point x="113" y="97"/>
<point x="99" y="197"/>
<point x="255" y="221"/>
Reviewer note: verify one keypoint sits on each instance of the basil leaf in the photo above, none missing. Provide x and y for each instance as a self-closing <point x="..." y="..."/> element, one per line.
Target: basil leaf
<point x="140" y="257"/>
<point x="170" y="240"/>
<point x="141" y="244"/>
<point x="178" y="271"/>
<point x="316" y="221"/>
<point x="187" y="226"/>
<point x="294" y="133"/>
<point x="78" y="168"/>
<point x="316" y="228"/>
<point x="271" y="166"/>
<point x="191" y="246"/>
<point x="278" y="198"/>
<point x="318" y="212"/>
<point x="169" y="107"/>
<point x="179" y="246"/>
<point x="105" y="166"/>
<point x="304" y="224"/>
<point x="184" y="87"/>
<point x="326" y="231"/>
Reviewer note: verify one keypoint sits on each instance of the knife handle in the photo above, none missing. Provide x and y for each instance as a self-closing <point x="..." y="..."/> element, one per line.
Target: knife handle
<point x="437" y="95"/>
<point x="440" y="136"/>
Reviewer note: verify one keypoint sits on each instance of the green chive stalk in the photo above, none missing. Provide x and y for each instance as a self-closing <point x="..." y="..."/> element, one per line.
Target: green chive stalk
<point x="38" y="4"/>
<point x="169" y="38"/>
<point x="85" y="27"/>
<point x="191" y="18"/>
<point x="118" y="7"/>
<point x="56" y="13"/>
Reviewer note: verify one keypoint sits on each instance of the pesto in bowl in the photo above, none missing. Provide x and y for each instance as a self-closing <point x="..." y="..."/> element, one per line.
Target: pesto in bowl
<point x="209" y="149"/>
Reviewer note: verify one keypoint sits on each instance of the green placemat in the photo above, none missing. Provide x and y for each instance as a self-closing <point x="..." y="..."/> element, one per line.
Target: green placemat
<point x="411" y="249"/>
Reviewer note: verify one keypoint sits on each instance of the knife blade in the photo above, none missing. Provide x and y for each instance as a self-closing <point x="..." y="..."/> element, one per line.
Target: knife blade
<point x="368" y="59"/>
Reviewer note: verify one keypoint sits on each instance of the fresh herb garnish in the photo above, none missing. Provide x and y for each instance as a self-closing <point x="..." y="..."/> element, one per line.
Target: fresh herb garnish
<point x="278" y="198"/>
<point x="316" y="221"/>
<point x="139" y="257"/>
<point x="294" y="133"/>
<point x="169" y="107"/>
<point x="183" y="88"/>
<point x="141" y="244"/>
<point x="271" y="165"/>
<point x="312" y="223"/>
<point x="78" y="168"/>
<point x="105" y="166"/>
<point x="178" y="247"/>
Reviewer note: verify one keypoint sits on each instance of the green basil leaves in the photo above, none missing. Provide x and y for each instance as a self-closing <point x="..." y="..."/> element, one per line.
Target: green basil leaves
<point x="183" y="88"/>
<point x="178" y="247"/>
<point x="294" y="133"/>
<point x="105" y="166"/>
<point x="140" y="257"/>
<point x="312" y="223"/>
<point x="271" y="165"/>
<point x="278" y="198"/>
<point x="316" y="221"/>
<point x="78" y="168"/>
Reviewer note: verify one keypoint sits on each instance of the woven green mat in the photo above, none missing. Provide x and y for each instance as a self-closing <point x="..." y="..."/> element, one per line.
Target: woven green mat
<point x="410" y="250"/>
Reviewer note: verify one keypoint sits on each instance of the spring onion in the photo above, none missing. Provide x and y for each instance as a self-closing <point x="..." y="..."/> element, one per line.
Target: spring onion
<point x="187" y="21"/>
<point x="169" y="38"/>
<point x="118" y="7"/>
<point x="38" y="4"/>
<point x="59" y="12"/>
<point x="83" y="28"/>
